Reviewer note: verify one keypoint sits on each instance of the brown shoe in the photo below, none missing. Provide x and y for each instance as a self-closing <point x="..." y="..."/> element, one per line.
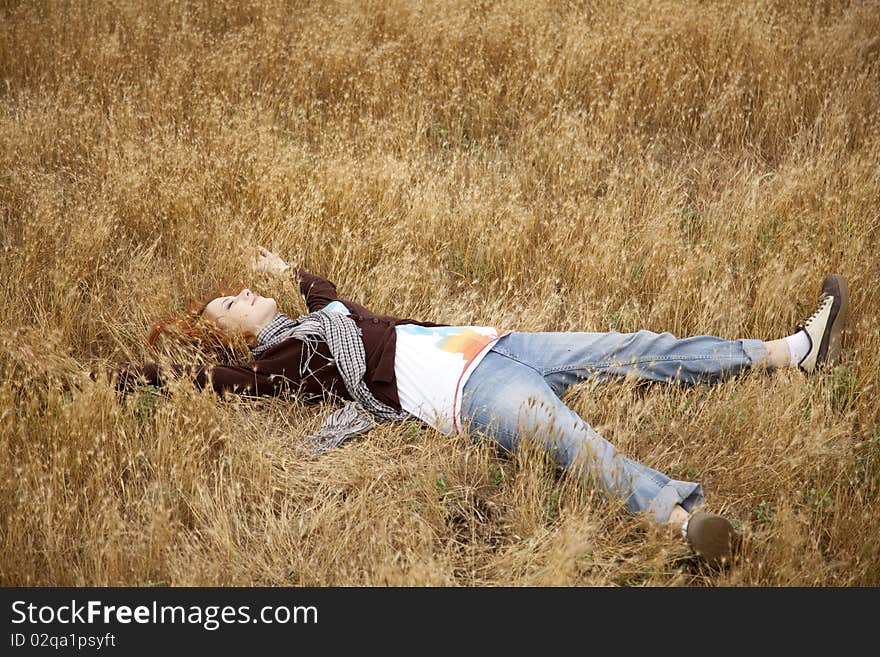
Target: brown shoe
<point x="711" y="537"/>
<point x="825" y="326"/>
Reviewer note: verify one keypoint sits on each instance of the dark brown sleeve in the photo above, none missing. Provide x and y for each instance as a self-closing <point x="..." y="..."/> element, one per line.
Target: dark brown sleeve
<point x="318" y="292"/>
<point x="238" y="379"/>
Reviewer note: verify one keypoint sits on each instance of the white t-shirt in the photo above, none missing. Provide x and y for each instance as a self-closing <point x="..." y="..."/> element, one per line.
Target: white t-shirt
<point x="432" y="364"/>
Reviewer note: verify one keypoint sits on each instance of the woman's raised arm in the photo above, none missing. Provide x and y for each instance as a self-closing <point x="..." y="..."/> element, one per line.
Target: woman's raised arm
<point x="317" y="291"/>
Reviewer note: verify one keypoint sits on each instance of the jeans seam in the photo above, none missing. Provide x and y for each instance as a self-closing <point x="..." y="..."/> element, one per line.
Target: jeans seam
<point x="510" y="356"/>
<point x="606" y="363"/>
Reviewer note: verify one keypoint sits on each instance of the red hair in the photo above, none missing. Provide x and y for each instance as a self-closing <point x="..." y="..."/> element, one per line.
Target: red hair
<point x="193" y="328"/>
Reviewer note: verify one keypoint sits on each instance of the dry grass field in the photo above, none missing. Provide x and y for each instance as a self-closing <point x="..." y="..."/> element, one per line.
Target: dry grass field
<point x="683" y="166"/>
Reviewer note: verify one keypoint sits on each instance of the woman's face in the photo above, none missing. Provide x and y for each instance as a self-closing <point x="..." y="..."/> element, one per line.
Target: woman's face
<point x="245" y="312"/>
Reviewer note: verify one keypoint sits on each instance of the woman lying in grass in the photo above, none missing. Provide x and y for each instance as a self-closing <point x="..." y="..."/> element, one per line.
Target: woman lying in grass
<point x="503" y="385"/>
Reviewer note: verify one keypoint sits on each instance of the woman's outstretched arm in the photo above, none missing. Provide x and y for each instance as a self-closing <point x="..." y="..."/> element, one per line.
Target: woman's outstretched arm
<point x="245" y="379"/>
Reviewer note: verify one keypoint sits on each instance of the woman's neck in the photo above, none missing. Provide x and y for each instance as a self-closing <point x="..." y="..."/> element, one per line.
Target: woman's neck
<point x="269" y="333"/>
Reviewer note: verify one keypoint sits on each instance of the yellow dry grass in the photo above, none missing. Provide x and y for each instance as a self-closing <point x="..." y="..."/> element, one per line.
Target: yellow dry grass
<point x="543" y="165"/>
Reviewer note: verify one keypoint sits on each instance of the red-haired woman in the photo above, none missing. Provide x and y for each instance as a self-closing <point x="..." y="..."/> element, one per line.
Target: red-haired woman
<point x="494" y="383"/>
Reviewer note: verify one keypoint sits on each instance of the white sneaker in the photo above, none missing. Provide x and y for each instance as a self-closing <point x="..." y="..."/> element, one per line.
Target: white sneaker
<point x="825" y="326"/>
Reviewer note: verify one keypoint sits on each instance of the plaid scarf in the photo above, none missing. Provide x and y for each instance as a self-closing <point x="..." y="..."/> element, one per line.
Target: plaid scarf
<point x="273" y="333"/>
<point x="343" y="337"/>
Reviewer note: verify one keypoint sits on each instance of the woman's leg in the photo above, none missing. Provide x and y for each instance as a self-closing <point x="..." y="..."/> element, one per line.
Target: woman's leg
<point x="508" y="401"/>
<point x="564" y="359"/>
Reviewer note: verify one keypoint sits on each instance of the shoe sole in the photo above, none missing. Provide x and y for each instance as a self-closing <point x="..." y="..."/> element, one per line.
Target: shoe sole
<point x="829" y="350"/>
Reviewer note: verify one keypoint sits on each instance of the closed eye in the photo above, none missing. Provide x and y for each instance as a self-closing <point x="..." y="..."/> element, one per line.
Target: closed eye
<point x="229" y="304"/>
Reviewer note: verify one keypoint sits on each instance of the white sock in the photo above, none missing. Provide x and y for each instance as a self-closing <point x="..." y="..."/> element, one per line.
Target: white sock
<point x="798" y="346"/>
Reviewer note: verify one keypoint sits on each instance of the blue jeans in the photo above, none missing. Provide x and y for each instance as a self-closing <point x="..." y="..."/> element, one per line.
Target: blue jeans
<point x="514" y="393"/>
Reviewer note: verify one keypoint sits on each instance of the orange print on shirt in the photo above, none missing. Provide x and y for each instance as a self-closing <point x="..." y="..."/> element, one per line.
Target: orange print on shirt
<point x="468" y="343"/>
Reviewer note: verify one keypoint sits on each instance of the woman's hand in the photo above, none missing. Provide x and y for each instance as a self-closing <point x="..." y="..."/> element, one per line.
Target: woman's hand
<point x="268" y="262"/>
